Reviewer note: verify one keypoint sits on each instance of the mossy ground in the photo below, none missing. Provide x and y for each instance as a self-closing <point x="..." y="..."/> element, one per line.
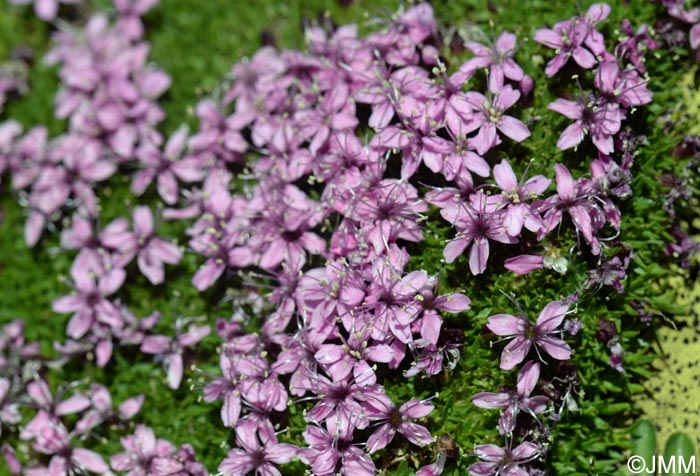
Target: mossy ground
<point x="196" y="42"/>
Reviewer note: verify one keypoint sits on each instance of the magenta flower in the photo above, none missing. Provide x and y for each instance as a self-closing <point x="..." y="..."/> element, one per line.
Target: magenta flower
<point x="515" y="194"/>
<point x="92" y="286"/>
<point x="524" y="264"/>
<point x="573" y="199"/>
<point x="247" y="378"/>
<point x="576" y="38"/>
<point x="333" y="113"/>
<point x="40" y="394"/>
<point x="218" y="136"/>
<point x="258" y="451"/>
<point x="625" y="87"/>
<point x="497" y="461"/>
<point x="11" y="460"/>
<point x="152" y="252"/>
<point x="488" y="117"/>
<point x="92" y="243"/>
<point x="51" y="437"/>
<point x="102" y="410"/>
<point x="524" y="334"/>
<point x="9" y="408"/>
<point x="130" y="13"/>
<point x="595" y="116"/>
<point x="142" y="448"/>
<point x="331" y="291"/>
<point x="476" y="224"/>
<point x="166" y="167"/>
<point x="395" y="419"/>
<point x="287" y="216"/>
<point x="338" y="400"/>
<point x="353" y="356"/>
<point x="388" y="212"/>
<point x="171" y="351"/>
<point x="498" y="58"/>
<point x="516" y="401"/>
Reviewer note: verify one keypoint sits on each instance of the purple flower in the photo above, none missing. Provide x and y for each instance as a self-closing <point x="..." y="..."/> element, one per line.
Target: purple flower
<point x="93" y="285"/>
<point x="595" y="116"/>
<point x="339" y="400"/>
<point x="388" y="212"/>
<point x="476" y="224"/>
<point x="166" y="167"/>
<point x="488" y="117"/>
<point x="152" y="252"/>
<point x="142" y="448"/>
<point x="572" y="198"/>
<point x="625" y="87"/>
<point x="395" y="419"/>
<point x="353" y="356"/>
<point x="286" y="217"/>
<point x="333" y="113"/>
<point x="50" y="437"/>
<point x="503" y="461"/>
<point x="258" y="451"/>
<point x="9" y="408"/>
<point x="575" y="38"/>
<point x="130" y="13"/>
<point x="45" y="9"/>
<point x="515" y="194"/>
<point x="40" y="394"/>
<point x="331" y="451"/>
<point x="102" y="409"/>
<point x="498" y="58"/>
<point x="514" y="402"/>
<point x="11" y="460"/>
<point x="524" y="334"/>
<point x="170" y="350"/>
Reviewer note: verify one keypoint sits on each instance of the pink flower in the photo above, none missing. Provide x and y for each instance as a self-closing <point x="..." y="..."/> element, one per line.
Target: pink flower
<point x="575" y="38"/>
<point x="93" y="285"/>
<point x="142" y="448"/>
<point x="152" y="252"/>
<point x="498" y="57"/>
<point x="503" y="461"/>
<point x="625" y="87"/>
<point x="395" y="419"/>
<point x="514" y="402"/>
<point x="166" y="167"/>
<point x="171" y="351"/>
<point x="595" y="116"/>
<point x="331" y="451"/>
<point x="488" y="117"/>
<point x="476" y="224"/>
<point x="130" y="13"/>
<point x="524" y="334"/>
<point x="515" y="194"/>
<point x="258" y="451"/>
<point x="572" y="198"/>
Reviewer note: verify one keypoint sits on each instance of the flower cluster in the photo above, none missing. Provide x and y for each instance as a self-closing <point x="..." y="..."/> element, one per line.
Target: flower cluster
<point x="58" y="448"/>
<point x="307" y="185"/>
<point x="590" y="203"/>
<point x="108" y="95"/>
